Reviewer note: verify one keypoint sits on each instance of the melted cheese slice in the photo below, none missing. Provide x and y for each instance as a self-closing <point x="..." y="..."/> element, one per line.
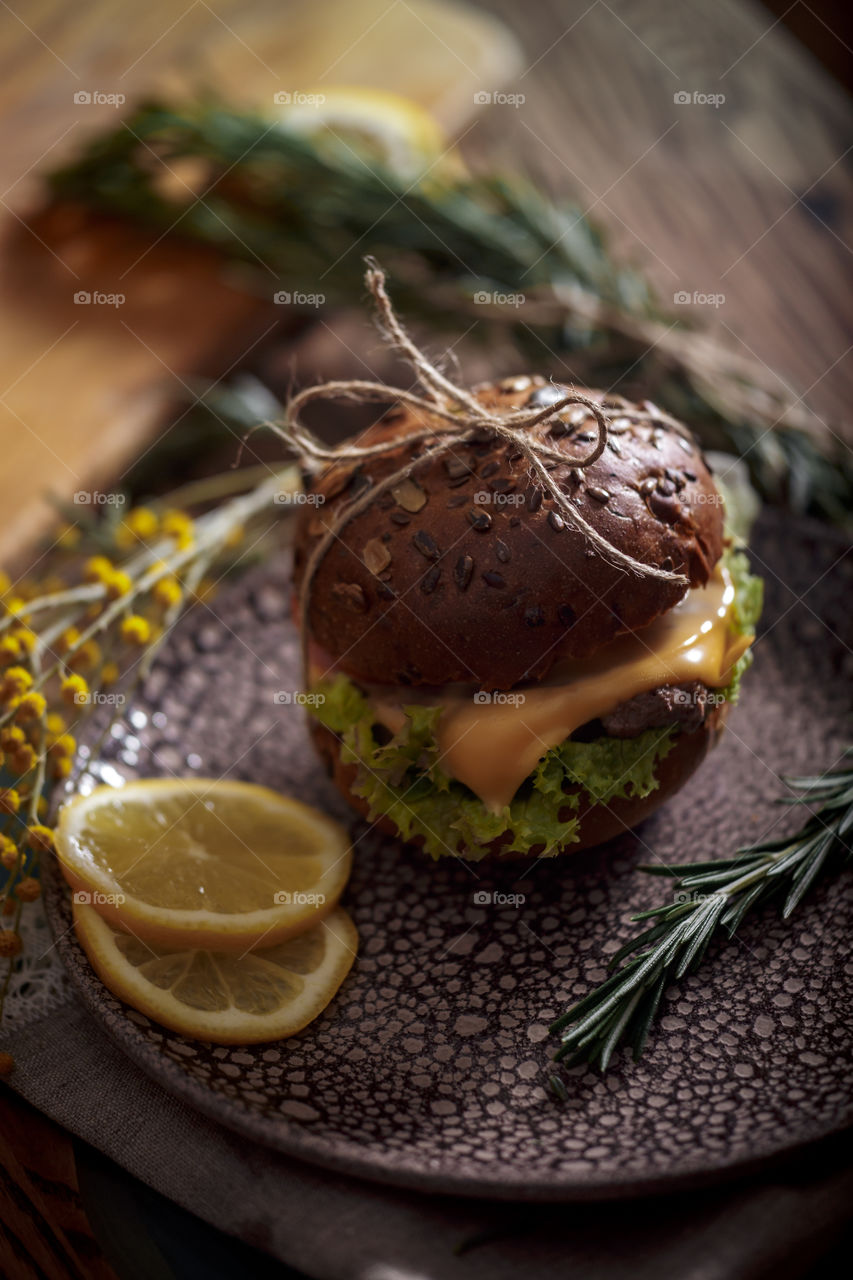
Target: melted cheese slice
<point x="493" y="746"/>
<point x="491" y="742"/>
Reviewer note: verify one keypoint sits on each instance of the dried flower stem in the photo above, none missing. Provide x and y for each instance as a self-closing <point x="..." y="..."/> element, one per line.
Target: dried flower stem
<point x="55" y="616"/>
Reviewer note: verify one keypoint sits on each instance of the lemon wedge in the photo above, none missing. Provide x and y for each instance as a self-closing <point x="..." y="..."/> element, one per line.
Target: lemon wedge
<point x="394" y="130"/>
<point x="221" y="865"/>
<point x="220" y="996"/>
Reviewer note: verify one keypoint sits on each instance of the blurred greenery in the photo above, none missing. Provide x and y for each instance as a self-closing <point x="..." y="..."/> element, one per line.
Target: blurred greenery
<point x="309" y="209"/>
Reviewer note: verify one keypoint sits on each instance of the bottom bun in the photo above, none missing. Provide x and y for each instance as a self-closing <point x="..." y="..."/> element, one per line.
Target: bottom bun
<point x="597" y="822"/>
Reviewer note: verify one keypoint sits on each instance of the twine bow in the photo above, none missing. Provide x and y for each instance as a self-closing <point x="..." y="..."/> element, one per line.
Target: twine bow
<point x="454" y="418"/>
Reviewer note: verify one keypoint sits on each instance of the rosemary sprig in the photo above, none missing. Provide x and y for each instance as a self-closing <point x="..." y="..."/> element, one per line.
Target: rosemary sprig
<point x="307" y="210"/>
<point x="711" y="896"/>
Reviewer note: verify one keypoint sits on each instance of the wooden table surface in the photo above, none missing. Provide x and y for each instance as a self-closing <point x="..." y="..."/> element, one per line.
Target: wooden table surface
<point x="750" y="198"/>
<point x="68" y="71"/>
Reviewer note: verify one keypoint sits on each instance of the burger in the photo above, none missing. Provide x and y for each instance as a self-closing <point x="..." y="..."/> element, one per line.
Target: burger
<point x="484" y="678"/>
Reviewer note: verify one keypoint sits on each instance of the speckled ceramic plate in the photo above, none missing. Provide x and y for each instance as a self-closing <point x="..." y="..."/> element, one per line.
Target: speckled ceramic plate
<point x="428" y="1068"/>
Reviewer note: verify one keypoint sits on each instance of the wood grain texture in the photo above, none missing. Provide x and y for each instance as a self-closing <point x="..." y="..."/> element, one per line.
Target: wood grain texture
<point x="43" y="1229"/>
<point x="752" y="199"/>
<point x="83" y="386"/>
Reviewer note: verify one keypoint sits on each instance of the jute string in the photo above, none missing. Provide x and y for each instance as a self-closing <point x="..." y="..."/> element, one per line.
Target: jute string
<point x="454" y="417"/>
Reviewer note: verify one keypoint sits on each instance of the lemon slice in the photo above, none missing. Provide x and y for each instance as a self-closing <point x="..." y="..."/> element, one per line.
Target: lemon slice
<point x="217" y="995"/>
<point x="387" y="126"/>
<point x="195" y="863"/>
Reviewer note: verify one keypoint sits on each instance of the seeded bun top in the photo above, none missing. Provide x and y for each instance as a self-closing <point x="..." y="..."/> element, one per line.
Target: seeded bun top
<point x="467" y="573"/>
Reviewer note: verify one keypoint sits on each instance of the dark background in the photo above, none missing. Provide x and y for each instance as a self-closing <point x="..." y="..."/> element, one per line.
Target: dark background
<point x="825" y="27"/>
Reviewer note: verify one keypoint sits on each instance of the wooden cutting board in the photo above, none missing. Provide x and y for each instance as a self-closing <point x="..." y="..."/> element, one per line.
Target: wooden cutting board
<point x="83" y="386"/>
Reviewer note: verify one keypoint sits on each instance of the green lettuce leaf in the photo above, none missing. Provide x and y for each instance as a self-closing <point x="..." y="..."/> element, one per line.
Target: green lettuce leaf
<point x="401" y="780"/>
<point x="616" y="768"/>
<point x="749" y="591"/>
<point x="746" y="611"/>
